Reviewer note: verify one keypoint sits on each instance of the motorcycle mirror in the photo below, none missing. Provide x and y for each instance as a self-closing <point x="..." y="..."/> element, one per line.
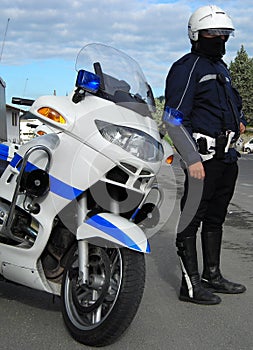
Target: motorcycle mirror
<point x="22" y="101"/>
<point x="151" y="99"/>
<point x="88" y="81"/>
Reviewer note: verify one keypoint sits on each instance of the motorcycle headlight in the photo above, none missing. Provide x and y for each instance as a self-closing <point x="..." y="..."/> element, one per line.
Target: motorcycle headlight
<point x="134" y="141"/>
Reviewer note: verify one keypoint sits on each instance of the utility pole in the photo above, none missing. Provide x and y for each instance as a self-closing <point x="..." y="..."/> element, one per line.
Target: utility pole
<point x="3" y="114"/>
<point x="5" y="34"/>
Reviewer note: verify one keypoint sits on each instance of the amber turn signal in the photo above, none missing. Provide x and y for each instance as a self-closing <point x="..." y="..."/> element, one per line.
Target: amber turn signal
<point x="52" y="114"/>
<point x="169" y="159"/>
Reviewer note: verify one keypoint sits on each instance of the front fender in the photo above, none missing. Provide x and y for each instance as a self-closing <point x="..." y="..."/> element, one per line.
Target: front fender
<point x="112" y="230"/>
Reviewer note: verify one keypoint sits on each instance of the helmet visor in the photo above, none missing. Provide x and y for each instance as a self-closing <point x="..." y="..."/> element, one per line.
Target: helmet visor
<point x="219" y="31"/>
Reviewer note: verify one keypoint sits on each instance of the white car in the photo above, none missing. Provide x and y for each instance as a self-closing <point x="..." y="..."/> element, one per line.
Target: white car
<point x="248" y="146"/>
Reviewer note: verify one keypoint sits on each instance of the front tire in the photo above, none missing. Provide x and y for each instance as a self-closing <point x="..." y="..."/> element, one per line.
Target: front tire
<point x="96" y="314"/>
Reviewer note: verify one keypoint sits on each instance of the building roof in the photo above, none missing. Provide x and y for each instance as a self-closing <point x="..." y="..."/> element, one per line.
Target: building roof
<point x="15" y="108"/>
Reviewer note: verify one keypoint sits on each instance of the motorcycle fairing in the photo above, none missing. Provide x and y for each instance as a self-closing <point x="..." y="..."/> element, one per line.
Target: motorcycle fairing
<point x="63" y="181"/>
<point x="114" y="230"/>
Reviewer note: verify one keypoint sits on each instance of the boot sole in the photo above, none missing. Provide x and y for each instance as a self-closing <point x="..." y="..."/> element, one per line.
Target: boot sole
<point x="222" y="291"/>
<point x="200" y="302"/>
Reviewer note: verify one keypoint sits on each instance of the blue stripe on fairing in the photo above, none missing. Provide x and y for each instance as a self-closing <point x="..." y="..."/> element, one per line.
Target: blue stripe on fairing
<point x="62" y="189"/>
<point x="17" y="158"/>
<point x="4" y="152"/>
<point x="112" y="230"/>
<point x="56" y="186"/>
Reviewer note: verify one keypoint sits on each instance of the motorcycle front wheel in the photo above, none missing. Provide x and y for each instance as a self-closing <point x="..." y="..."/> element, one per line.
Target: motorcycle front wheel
<point x="97" y="313"/>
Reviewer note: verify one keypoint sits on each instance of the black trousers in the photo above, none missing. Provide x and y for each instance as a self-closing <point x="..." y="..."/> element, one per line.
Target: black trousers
<point x="207" y="201"/>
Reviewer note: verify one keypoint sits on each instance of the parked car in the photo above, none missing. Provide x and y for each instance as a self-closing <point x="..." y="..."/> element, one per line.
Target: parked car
<point x="239" y="144"/>
<point x="248" y="146"/>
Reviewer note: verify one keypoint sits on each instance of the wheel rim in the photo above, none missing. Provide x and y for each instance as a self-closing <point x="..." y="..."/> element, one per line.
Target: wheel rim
<point x="88" y="306"/>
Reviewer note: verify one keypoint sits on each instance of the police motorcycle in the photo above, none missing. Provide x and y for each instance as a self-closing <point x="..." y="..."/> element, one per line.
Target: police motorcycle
<point x="76" y="203"/>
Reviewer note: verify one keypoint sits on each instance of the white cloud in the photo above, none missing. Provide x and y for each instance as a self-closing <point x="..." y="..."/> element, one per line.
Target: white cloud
<point x="153" y="32"/>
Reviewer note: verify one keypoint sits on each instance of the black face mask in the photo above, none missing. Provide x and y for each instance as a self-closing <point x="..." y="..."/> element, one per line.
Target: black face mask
<point x="212" y="47"/>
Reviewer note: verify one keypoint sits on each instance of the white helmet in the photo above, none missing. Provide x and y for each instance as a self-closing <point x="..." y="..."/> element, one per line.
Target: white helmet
<point x="211" y="18"/>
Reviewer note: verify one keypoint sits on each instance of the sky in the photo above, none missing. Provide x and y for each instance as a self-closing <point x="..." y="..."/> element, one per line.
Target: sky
<point x="39" y="40"/>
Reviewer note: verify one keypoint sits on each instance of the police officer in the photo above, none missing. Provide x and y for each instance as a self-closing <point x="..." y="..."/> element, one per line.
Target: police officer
<point x="199" y="86"/>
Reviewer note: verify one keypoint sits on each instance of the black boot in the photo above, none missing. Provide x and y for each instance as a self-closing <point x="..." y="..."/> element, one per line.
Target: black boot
<point x="191" y="289"/>
<point x="212" y="278"/>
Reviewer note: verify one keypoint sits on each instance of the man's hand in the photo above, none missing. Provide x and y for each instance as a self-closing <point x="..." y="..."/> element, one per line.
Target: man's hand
<point x="242" y="128"/>
<point x="197" y="171"/>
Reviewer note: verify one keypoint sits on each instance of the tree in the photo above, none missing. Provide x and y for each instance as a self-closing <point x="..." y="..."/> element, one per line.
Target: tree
<point x="241" y="70"/>
<point x="159" y="101"/>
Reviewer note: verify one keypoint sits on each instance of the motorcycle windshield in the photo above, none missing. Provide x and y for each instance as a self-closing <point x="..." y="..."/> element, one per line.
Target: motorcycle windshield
<point x="121" y="78"/>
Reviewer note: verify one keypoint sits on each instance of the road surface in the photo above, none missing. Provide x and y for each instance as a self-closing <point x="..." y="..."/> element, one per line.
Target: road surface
<point x="32" y="320"/>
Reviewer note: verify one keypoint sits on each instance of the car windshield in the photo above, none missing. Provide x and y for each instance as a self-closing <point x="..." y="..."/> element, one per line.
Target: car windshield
<point x="121" y="78"/>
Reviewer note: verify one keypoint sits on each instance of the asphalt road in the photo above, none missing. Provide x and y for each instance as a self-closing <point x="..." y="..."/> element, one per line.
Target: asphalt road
<point x="32" y="320"/>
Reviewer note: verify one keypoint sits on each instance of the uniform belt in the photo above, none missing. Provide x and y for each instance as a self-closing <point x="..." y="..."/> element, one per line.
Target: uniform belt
<point x="211" y="143"/>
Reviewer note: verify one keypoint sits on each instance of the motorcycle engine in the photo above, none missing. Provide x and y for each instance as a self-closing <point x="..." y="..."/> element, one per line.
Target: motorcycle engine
<point x="23" y="227"/>
<point x="4" y="213"/>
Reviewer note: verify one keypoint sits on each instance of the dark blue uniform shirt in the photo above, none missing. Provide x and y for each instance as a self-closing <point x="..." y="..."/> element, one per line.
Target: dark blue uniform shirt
<point x="201" y="88"/>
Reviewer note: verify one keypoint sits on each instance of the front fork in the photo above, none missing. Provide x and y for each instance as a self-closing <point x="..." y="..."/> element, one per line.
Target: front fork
<point x="83" y="259"/>
<point x="83" y="246"/>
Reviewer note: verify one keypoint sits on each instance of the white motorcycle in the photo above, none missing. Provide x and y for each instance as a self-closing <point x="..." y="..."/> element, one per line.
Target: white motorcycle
<point x="75" y="204"/>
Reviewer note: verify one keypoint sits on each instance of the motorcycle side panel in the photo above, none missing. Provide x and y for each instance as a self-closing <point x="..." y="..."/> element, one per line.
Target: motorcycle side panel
<point x="25" y="276"/>
<point x="20" y="263"/>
